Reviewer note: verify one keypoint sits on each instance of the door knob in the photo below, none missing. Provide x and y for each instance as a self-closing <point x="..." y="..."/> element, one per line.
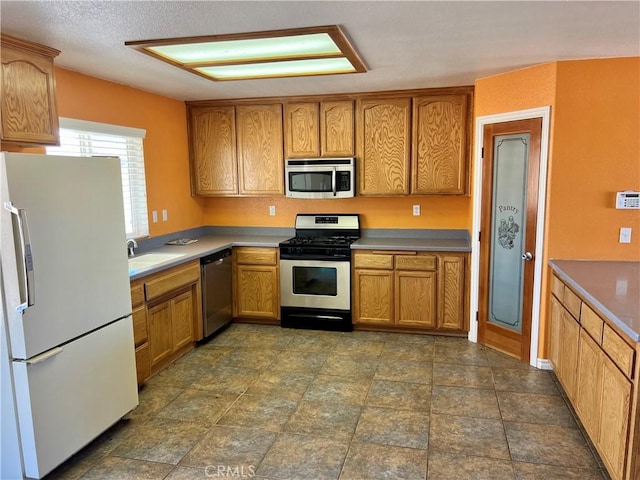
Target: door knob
<point x="528" y="256"/>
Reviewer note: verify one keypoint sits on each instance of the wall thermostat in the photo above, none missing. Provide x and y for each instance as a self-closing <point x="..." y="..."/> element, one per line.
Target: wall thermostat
<point x="628" y="200"/>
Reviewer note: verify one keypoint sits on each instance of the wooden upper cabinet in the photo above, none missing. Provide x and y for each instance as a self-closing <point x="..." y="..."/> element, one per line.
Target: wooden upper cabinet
<point x="383" y="143"/>
<point x="301" y="130"/>
<point x="336" y="129"/>
<point x="439" y="158"/>
<point x="260" y="153"/>
<point x="410" y="142"/>
<point x="28" y="103"/>
<point x="323" y="129"/>
<point x="212" y="136"/>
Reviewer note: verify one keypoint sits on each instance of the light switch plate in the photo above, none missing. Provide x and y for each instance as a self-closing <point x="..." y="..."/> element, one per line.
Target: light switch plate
<point x="272" y="210"/>
<point x="165" y="216"/>
<point x="154" y="216"/>
<point x="625" y="235"/>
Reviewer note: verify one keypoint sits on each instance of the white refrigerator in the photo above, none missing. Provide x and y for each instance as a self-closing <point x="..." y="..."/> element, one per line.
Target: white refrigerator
<point x="67" y="352"/>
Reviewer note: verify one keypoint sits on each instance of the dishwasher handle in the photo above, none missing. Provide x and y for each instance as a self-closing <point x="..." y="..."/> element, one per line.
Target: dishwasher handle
<point x="218" y="257"/>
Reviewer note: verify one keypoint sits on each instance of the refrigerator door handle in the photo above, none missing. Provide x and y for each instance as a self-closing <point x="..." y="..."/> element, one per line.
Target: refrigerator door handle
<point x="25" y="274"/>
<point x="43" y="356"/>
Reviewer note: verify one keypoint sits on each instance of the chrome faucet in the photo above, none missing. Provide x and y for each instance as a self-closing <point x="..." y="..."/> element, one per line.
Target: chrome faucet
<point x="131" y="244"/>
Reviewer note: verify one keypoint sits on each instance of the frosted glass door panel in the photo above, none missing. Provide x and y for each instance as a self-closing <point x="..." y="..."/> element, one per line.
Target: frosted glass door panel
<point x="511" y="153"/>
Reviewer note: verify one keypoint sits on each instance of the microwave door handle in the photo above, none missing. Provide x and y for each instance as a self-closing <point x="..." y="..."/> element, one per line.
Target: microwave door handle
<point x="25" y="273"/>
<point x="333" y="182"/>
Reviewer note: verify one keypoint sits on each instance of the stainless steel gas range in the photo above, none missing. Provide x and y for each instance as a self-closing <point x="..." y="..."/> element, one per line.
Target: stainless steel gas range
<point x="315" y="272"/>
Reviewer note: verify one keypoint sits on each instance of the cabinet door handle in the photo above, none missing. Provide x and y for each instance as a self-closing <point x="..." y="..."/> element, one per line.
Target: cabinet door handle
<point x="527" y="256"/>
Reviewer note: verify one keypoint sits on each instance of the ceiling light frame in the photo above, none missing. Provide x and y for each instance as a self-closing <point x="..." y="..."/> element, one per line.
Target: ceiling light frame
<point x="343" y="50"/>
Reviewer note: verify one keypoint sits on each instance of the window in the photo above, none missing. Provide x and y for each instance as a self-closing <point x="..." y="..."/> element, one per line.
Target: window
<point x="80" y="138"/>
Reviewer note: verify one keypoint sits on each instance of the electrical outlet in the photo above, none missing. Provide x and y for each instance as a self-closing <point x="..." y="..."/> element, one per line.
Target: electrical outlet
<point x="621" y="287"/>
<point x="165" y="216"/>
<point x="416" y="210"/>
<point x="272" y="210"/>
<point x="154" y="216"/>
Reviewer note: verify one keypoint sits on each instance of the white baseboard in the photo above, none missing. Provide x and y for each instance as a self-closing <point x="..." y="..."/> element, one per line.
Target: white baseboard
<point x="544" y="364"/>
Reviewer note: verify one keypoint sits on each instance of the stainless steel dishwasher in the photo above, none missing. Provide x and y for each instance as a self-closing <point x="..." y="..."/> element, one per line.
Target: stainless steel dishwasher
<point x="216" y="291"/>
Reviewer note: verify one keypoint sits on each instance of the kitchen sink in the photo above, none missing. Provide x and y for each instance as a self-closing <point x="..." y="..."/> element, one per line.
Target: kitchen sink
<point x="151" y="259"/>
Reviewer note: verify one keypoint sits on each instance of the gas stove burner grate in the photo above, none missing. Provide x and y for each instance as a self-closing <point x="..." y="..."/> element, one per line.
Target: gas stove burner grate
<point x="318" y="241"/>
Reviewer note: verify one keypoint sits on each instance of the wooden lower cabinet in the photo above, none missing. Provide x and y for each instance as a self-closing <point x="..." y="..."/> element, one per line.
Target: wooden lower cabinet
<point x="143" y="363"/>
<point x="167" y="317"/>
<point x="614" y="418"/>
<point x="140" y="332"/>
<point x="373" y="297"/>
<point x="600" y="377"/>
<point x="570" y="333"/>
<point x="554" y="334"/>
<point x="564" y="347"/>
<point x="170" y="326"/>
<point x="182" y="320"/>
<point x="451" y="292"/>
<point x="160" y="332"/>
<point x="409" y="290"/>
<point x="256" y="284"/>
<point x="589" y="387"/>
<point x="415" y="299"/>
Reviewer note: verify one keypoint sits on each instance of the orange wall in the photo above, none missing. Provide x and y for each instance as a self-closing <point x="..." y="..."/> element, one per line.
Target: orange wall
<point x="387" y="212"/>
<point x="518" y="90"/>
<point x="165" y="145"/>
<point x="594" y="152"/>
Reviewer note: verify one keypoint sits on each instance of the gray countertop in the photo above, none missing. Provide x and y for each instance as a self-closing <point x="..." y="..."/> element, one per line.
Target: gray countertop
<point x="205" y="245"/>
<point x="428" y="240"/>
<point x="611" y="287"/>
<point x="419" y="244"/>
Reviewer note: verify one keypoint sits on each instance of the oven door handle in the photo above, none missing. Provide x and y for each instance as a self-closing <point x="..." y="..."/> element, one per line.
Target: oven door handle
<point x="333" y="182"/>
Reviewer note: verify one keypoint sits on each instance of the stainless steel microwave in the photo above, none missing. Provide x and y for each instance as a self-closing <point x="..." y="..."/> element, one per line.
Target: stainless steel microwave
<point x="321" y="177"/>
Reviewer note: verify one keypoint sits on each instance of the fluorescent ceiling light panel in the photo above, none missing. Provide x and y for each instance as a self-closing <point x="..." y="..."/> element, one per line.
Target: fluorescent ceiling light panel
<point x="291" y="68"/>
<point x="280" y="53"/>
<point x="250" y="50"/>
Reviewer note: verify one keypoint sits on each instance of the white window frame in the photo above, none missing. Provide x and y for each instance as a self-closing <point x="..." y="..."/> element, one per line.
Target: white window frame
<point x="134" y="192"/>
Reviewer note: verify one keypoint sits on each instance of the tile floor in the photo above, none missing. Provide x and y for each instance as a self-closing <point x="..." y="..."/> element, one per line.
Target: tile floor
<point x="271" y="403"/>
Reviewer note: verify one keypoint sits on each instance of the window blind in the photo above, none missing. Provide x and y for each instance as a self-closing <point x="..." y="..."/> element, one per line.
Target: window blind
<point x="80" y="138"/>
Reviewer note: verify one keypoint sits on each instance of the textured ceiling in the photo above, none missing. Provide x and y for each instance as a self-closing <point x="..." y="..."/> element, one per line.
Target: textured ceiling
<point x="408" y="44"/>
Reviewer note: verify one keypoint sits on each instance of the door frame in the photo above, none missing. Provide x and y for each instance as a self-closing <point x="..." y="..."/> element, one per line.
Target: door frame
<point x="545" y="114"/>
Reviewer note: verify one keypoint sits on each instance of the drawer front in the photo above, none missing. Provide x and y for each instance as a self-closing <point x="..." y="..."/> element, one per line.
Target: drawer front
<point x="172" y="280"/>
<point x="137" y="294"/>
<point x="592" y="323"/>
<point x="140" y="334"/>
<point x="557" y="287"/>
<point x="256" y="256"/>
<point x="571" y="302"/>
<point x="619" y="351"/>
<point x="370" y="260"/>
<point x="416" y="262"/>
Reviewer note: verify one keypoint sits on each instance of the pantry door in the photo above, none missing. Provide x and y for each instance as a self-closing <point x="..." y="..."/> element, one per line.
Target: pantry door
<point x="511" y="166"/>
